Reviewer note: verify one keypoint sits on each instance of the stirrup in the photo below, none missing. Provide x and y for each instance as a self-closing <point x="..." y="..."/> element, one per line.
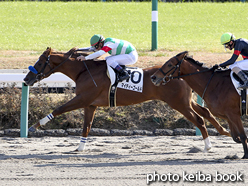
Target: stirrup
<point x="124" y="77"/>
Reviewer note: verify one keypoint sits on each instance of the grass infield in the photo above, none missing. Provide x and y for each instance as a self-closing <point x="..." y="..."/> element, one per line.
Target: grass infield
<point x="63" y="25"/>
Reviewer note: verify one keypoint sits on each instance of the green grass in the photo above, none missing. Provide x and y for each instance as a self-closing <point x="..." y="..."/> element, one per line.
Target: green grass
<point x="60" y="25"/>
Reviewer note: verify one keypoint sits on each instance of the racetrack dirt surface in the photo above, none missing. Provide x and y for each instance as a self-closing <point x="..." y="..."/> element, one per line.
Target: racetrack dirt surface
<point x="114" y="161"/>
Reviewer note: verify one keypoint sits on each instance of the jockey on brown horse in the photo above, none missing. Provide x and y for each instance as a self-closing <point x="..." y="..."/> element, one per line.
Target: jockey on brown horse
<point x="240" y="46"/>
<point x="121" y="53"/>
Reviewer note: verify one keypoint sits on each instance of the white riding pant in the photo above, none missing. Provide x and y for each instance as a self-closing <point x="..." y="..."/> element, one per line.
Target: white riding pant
<point x="243" y="65"/>
<point x="122" y="59"/>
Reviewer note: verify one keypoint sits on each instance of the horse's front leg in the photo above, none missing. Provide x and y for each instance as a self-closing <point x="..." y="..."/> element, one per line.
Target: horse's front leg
<point x="89" y="113"/>
<point x="75" y="103"/>
<point x="237" y="131"/>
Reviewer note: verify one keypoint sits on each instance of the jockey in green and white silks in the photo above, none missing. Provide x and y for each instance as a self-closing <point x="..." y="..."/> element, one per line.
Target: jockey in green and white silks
<point x="121" y="53"/>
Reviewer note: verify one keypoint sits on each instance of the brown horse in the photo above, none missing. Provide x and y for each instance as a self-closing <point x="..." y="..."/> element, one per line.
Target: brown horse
<point x="88" y="74"/>
<point x="216" y="89"/>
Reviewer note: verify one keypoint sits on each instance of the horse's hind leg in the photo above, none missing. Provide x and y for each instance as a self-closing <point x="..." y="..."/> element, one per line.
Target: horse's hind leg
<point x="204" y="112"/>
<point x="89" y="113"/>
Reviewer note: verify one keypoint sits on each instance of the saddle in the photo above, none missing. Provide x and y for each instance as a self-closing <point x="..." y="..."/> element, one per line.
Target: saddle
<point x="243" y="93"/>
<point x="113" y="87"/>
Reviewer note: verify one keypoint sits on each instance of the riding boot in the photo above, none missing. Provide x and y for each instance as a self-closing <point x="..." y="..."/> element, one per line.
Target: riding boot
<point x="244" y="78"/>
<point x="123" y="75"/>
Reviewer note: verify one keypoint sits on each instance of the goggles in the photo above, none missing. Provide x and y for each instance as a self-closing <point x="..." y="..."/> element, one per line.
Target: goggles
<point x="227" y="45"/>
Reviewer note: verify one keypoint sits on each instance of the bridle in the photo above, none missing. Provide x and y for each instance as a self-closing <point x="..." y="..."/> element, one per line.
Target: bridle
<point x="177" y="66"/>
<point x="173" y="69"/>
<point x="40" y="75"/>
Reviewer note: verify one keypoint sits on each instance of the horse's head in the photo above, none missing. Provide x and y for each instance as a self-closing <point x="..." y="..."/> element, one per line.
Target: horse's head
<point x="165" y="73"/>
<point x="46" y="65"/>
<point x="40" y="69"/>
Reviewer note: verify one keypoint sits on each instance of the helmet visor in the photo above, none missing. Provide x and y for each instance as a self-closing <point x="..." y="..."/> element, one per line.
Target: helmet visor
<point x="97" y="45"/>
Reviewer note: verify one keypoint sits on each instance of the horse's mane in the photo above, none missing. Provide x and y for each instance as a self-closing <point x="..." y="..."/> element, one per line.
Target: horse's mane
<point x="190" y="58"/>
<point x="71" y="52"/>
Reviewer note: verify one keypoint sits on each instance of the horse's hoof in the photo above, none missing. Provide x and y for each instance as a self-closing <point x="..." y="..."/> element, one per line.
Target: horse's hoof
<point x="31" y="129"/>
<point x="232" y="157"/>
<point x="206" y="149"/>
<point x="237" y="140"/>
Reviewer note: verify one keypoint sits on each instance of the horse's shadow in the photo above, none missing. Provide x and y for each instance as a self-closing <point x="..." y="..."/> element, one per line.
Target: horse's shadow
<point x="49" y="160"/>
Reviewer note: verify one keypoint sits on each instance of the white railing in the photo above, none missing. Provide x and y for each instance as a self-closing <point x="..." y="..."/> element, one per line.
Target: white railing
<point x="17" y="76"/>
<point x="8" y="77"/>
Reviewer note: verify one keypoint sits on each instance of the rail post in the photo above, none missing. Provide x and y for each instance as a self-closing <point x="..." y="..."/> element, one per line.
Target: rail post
<point x="154" y="24"/>
<point x="24" y="111"/>
<point x="200" y="102"/>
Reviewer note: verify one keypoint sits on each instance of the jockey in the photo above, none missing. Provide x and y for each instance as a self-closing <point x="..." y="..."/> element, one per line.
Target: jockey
<point x="240" y="47"/>
<point x="121" y="53"/>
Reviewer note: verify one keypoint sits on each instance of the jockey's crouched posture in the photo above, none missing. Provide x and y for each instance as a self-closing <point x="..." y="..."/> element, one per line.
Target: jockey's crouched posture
<point x="240" y="47"/>
<point x="121" y="53"/>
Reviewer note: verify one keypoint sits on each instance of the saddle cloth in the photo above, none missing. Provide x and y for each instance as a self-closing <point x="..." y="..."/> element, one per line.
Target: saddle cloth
<point x="134" y="83"/>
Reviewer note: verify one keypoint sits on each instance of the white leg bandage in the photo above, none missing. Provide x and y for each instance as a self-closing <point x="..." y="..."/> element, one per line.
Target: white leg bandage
<point x="82" y="144"/>
<point x="46" y="119"/>
<point x="207" y="144"/>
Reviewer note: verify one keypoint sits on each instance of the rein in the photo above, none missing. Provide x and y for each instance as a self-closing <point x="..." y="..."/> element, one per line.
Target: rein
<point x="190" y="74"/>
<point x="90" y="73"/>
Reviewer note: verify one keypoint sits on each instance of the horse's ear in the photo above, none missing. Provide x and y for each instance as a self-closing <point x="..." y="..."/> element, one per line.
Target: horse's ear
<point x="71" y="51"/>
<point x="185" y="54"/>
<point x="182" y="54"/>
<point x="49" y="49"/>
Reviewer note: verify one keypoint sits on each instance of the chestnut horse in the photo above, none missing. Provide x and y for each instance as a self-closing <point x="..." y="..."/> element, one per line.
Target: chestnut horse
<point x="216" y="89"/>
<point x="88" y="74"/>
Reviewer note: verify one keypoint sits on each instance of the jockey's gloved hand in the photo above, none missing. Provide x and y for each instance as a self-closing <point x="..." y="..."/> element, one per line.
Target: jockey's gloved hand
<point x="222" y="66"/>
<point x="215" y="67"/>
